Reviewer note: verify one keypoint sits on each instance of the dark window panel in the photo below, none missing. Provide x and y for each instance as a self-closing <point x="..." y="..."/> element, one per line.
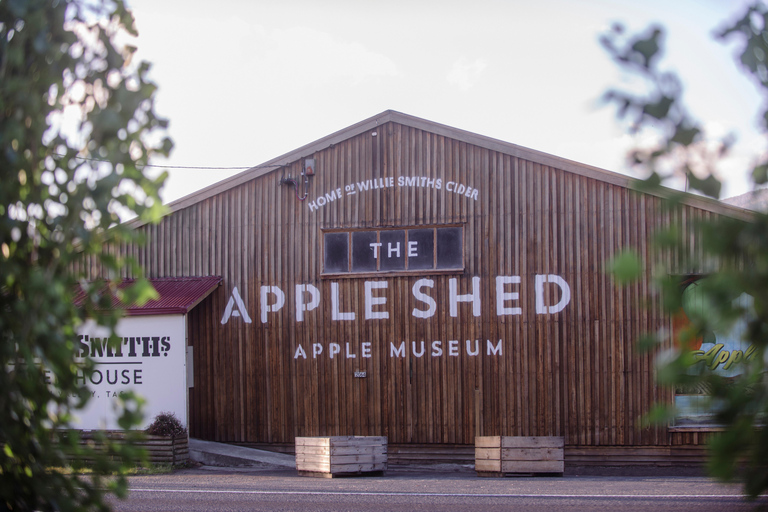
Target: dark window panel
<point x="450" y="246"/>
<point x="336" y="252"/>
<point x="363" y="253"/>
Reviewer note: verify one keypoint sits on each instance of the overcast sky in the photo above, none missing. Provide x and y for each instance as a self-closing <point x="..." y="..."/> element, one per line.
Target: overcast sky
<point x="244" y="81"/>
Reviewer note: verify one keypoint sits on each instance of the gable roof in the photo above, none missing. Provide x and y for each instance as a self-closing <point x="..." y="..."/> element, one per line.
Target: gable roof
<point x="482" y="141"/>
<point x="755" y="200"/>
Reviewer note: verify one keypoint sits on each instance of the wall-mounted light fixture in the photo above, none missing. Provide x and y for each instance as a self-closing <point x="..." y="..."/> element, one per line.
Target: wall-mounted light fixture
<point x="309" y="167"/>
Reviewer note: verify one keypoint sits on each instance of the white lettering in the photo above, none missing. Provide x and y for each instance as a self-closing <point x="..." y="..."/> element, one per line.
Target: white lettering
<point x="330" y="196"/>
<point x="395" y="250"/>
<point x="371" y="301"/>
<point x="235" y="307"/>
<point x="502" y="296"/>
<point x="508" y="298"/>
<point x="473" y="297"/>
<point x="271" y="308"/>
<point x="418" y="295"/>
<point x="335" y="313"/>
<point x="375" y="247"/>
<point x="396" y="350"/>
<point x="490" y="349"/>
<point x="302" y="306"/>
<point x="565" y="298"/>
<point x="461" y="189"/>
<point x="413" y="248"/>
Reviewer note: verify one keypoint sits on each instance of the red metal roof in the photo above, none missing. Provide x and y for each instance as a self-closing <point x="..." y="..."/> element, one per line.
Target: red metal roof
<point x="178" y="295"/>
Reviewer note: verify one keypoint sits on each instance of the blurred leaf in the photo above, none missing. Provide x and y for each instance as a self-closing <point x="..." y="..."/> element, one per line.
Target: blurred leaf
<point x="711" y="271"/>
<point x="50" y="251"/>
<point x="626" y="267"/>
<point x="647" y="343"/>
<point x="760" y="174"/>
<point x="139" y="293"/>
<point x="659" y="109"/>
<point x="659" y="414"/>
<point x="709" y="186"/>
<point x="648" y="47"/>
<point x="685" y="135"/>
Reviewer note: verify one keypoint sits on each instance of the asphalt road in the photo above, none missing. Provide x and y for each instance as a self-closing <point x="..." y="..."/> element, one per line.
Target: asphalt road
<point x="220" y="489"/>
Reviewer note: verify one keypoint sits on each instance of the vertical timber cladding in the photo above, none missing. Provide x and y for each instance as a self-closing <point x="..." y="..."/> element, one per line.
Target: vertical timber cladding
<point x="496" y="365"/>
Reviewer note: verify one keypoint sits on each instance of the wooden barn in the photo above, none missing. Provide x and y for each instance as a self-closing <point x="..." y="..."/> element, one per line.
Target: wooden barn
<point x="407" y="279"/>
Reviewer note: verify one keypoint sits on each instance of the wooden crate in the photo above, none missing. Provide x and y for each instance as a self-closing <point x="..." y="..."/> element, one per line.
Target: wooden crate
<point x="506" y="455"/>
<point x="160" y="449"/>
<point x="341" y="455"/>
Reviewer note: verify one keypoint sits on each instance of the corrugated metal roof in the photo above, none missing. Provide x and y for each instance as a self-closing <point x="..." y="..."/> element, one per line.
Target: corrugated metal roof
<point x="178" y="295"/>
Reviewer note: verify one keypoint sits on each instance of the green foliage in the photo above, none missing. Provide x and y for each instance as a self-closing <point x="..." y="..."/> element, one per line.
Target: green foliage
<point x="77" y="124"/>
<point x="626" y="267"/>
<point x="733" y="251"/>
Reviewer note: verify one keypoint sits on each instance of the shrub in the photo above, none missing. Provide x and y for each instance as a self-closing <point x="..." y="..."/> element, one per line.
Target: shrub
<point x="166" y="424"/>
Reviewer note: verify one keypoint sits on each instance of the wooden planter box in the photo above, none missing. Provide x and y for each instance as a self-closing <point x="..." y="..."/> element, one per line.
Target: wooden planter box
<point x="166" y="449"/>
<point x="504" y="455"/>
<point x="160" y="449"/>
<point x="341" y="455"/>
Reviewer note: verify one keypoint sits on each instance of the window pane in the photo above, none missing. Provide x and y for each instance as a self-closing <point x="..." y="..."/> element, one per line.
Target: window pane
<point x="336" y="252"/>
<point x="421" y="249"/>
<point x="392" y="251"/>
<point x="450" y="252"/>
<point x="363" y="253"/>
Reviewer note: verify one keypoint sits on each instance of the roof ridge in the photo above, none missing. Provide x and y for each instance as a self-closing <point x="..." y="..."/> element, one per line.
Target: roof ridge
<point x="483" y="141"/>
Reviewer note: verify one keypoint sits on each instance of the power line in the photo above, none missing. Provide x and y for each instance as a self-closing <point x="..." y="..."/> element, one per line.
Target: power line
<point x="192" y="167"/>
<point x="201" y="167"/>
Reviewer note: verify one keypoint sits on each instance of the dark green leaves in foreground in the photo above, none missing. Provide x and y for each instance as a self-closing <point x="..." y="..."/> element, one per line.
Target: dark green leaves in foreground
<point x="77" y="126"/>
<point x="715" y="271"/>
<point x="626" y="267"/>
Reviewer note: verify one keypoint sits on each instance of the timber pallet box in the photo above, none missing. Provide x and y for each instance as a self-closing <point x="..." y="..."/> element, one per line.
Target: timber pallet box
<point x="335" y="456"/>
<point x="513" y="455"/>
